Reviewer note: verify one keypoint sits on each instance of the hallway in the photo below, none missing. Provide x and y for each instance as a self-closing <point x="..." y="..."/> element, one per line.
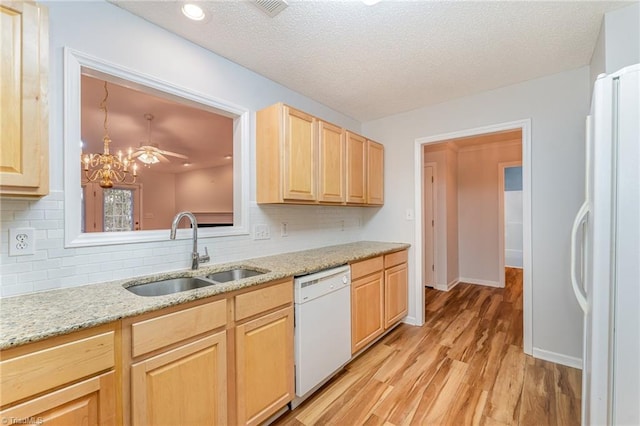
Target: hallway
<point x="464" y="366"/>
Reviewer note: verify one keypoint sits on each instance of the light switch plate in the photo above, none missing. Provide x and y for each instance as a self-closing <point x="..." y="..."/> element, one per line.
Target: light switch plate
<point x="22" y="241"/>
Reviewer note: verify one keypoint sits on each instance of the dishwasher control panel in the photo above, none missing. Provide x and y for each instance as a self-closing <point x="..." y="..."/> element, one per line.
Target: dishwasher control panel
<point x="309" y="287"/>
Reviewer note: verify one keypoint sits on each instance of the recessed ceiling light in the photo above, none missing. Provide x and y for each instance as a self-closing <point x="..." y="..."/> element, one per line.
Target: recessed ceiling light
<point x="227" y="157"/>
<point x="186" y="164"/>
<point x="193" y="11"/>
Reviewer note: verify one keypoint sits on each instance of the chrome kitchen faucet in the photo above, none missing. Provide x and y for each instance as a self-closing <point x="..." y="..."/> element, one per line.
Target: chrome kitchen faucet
<point x="196" y="259"/>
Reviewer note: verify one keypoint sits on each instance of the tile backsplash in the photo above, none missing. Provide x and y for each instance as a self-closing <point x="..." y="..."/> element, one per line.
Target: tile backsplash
<point x="53" y="266"/>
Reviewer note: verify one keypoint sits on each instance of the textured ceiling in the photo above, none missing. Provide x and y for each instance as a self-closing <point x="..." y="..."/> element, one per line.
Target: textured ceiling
<point x="395" y="56"/>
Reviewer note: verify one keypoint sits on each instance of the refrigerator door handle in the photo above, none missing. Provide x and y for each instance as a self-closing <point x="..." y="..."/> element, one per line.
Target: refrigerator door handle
<point x="577" y="222"/>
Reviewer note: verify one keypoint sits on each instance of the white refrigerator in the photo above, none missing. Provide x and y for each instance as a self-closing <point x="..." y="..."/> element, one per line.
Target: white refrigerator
<point x="605" y="254"/>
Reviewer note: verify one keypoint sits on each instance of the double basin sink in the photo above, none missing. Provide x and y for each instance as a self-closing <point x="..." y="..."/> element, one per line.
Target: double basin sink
<point x="176" y="285"/>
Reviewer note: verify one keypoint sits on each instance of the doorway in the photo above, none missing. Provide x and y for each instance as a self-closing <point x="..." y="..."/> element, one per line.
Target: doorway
<point x="524" y="126"/>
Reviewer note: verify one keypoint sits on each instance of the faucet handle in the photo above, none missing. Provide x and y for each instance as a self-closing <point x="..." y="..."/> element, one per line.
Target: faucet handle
<point x="205" y="258"/>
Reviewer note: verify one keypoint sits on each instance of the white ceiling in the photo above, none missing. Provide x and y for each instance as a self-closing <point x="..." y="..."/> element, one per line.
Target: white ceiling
<point x="395" y="56"/>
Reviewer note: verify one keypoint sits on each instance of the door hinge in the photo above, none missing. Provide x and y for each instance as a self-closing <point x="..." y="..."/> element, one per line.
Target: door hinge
<point x="432" y="222"/>
<point x="433" y="268"/>
<point x="431" y="179"/>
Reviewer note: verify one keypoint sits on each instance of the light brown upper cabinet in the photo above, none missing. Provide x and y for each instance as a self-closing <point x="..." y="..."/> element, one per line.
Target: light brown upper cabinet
<point x="375" y="173"/>
<point x="301" y="159"/>
<point x="24" y="119"/>
<point x="356" y="169"/>
<point x="286" y="155"/>
<point x="331" y="161"/>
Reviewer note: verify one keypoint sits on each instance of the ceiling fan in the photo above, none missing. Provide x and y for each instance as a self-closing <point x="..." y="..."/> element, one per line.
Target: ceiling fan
<point x="149" y="153"/>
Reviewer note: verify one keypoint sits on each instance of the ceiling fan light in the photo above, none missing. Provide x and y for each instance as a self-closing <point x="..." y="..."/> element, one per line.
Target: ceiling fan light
<point x="148" y="158"/>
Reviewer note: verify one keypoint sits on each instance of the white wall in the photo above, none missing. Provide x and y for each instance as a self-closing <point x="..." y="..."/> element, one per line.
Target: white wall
<point x="618" y="43"/>
<point x="557" y="106"/>
<point x="205" y="190"/>
<point x="478" y="232"/>
<point x="108" y="32"/>
<point x="622" y="37"/>
<point x="158" y="199"/>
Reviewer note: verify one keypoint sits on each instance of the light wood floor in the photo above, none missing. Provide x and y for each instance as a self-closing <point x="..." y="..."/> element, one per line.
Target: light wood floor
<point x="465" y="366"/>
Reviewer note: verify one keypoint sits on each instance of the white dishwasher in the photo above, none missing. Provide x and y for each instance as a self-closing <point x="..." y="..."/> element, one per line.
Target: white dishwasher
<point x="322" y="328"/>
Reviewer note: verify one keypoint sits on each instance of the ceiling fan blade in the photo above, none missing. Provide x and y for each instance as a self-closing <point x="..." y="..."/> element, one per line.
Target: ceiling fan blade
<point x="162" y="158"/>
<point x="172" y="154"/>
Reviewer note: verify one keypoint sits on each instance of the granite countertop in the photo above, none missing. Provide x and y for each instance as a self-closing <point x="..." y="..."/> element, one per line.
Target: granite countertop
<point x="37" y="316"/>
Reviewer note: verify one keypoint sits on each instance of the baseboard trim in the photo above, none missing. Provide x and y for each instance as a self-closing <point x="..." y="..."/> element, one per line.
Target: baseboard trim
<point x="480" y="282"/>
<point x="448" y="286"/>
<point x="567" y="360"/>
<point x="410" y="320"/>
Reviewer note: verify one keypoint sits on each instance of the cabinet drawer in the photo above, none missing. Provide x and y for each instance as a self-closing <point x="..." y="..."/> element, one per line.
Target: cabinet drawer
<point x="156" y="333"/>
<point x="394" y="259"/>
<point x="257" y="301"/>
<point x="46" y="368"/>
<point x="366" y="267"/>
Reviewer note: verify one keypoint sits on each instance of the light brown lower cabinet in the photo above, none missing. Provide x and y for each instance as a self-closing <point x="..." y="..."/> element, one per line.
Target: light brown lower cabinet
<point x="90" y="402"/>
<point x="183" y="386"/>
<point x="224" y="361"/>
<point x="264" y="366"/>
<point x="395" y="294"/>
<point x="379" y="292"/>
<point x="67" y="380"/>
<point x="367" y="321"/>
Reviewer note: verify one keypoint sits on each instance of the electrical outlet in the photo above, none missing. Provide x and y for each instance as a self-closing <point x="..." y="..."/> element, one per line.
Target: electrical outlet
<point x="284" y="231"/>
<point x="22" y="241"/>
<point x="261" y="232"/>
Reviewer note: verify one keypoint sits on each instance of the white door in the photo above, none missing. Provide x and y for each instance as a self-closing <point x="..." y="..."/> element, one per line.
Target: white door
<point x="429" y="227"/>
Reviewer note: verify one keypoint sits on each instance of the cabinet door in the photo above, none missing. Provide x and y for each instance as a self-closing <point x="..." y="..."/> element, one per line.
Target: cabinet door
<point x="395" y="294"/>
<point x="299" y="172"/>
<point x="375" y="173"/>
<point x="356" y="168"/>
<point x="367" y="317"/>
<point x="23" y="101"/>
<point x="331" y="163"/>
<point x="183" y="386"/>
<point x="90" y="402"/>
<point x="264" y="366"/>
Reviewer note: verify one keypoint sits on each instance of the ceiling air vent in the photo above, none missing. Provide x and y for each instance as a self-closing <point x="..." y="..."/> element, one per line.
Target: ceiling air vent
<point x="271" y="7"/>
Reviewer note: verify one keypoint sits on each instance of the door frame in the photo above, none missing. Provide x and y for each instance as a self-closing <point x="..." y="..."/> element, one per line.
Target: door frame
<point x="501" y="218"/>
<point x="434" y="200"/>
<point x="525" y="126"/>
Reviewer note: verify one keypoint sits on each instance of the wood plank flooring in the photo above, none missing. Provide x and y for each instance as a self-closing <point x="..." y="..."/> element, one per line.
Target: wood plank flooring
<point x="465" y="366"/>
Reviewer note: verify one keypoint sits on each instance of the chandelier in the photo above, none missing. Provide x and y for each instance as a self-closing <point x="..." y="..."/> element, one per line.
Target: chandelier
<point x="105" y="167"/>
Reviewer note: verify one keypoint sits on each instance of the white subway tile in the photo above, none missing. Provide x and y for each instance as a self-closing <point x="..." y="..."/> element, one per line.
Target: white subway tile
<point x="61" y="272"/>
<point x="27" y="277"/>
<point x="14" y="290"/>
<point x="16" y="268"/>
<point x="47" y="285"/>
<point x="50" y="264"/>
<point x="8" y="279"/>
<point x="61" y="252"/>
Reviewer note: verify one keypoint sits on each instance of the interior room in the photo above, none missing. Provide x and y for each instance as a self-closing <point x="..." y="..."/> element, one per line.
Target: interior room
<point x="298" y="213"/>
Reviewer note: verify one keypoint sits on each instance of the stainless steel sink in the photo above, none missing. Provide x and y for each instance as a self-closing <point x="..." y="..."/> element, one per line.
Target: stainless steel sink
<point x="164" y="287"/>
<point x="233" y="274"/>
